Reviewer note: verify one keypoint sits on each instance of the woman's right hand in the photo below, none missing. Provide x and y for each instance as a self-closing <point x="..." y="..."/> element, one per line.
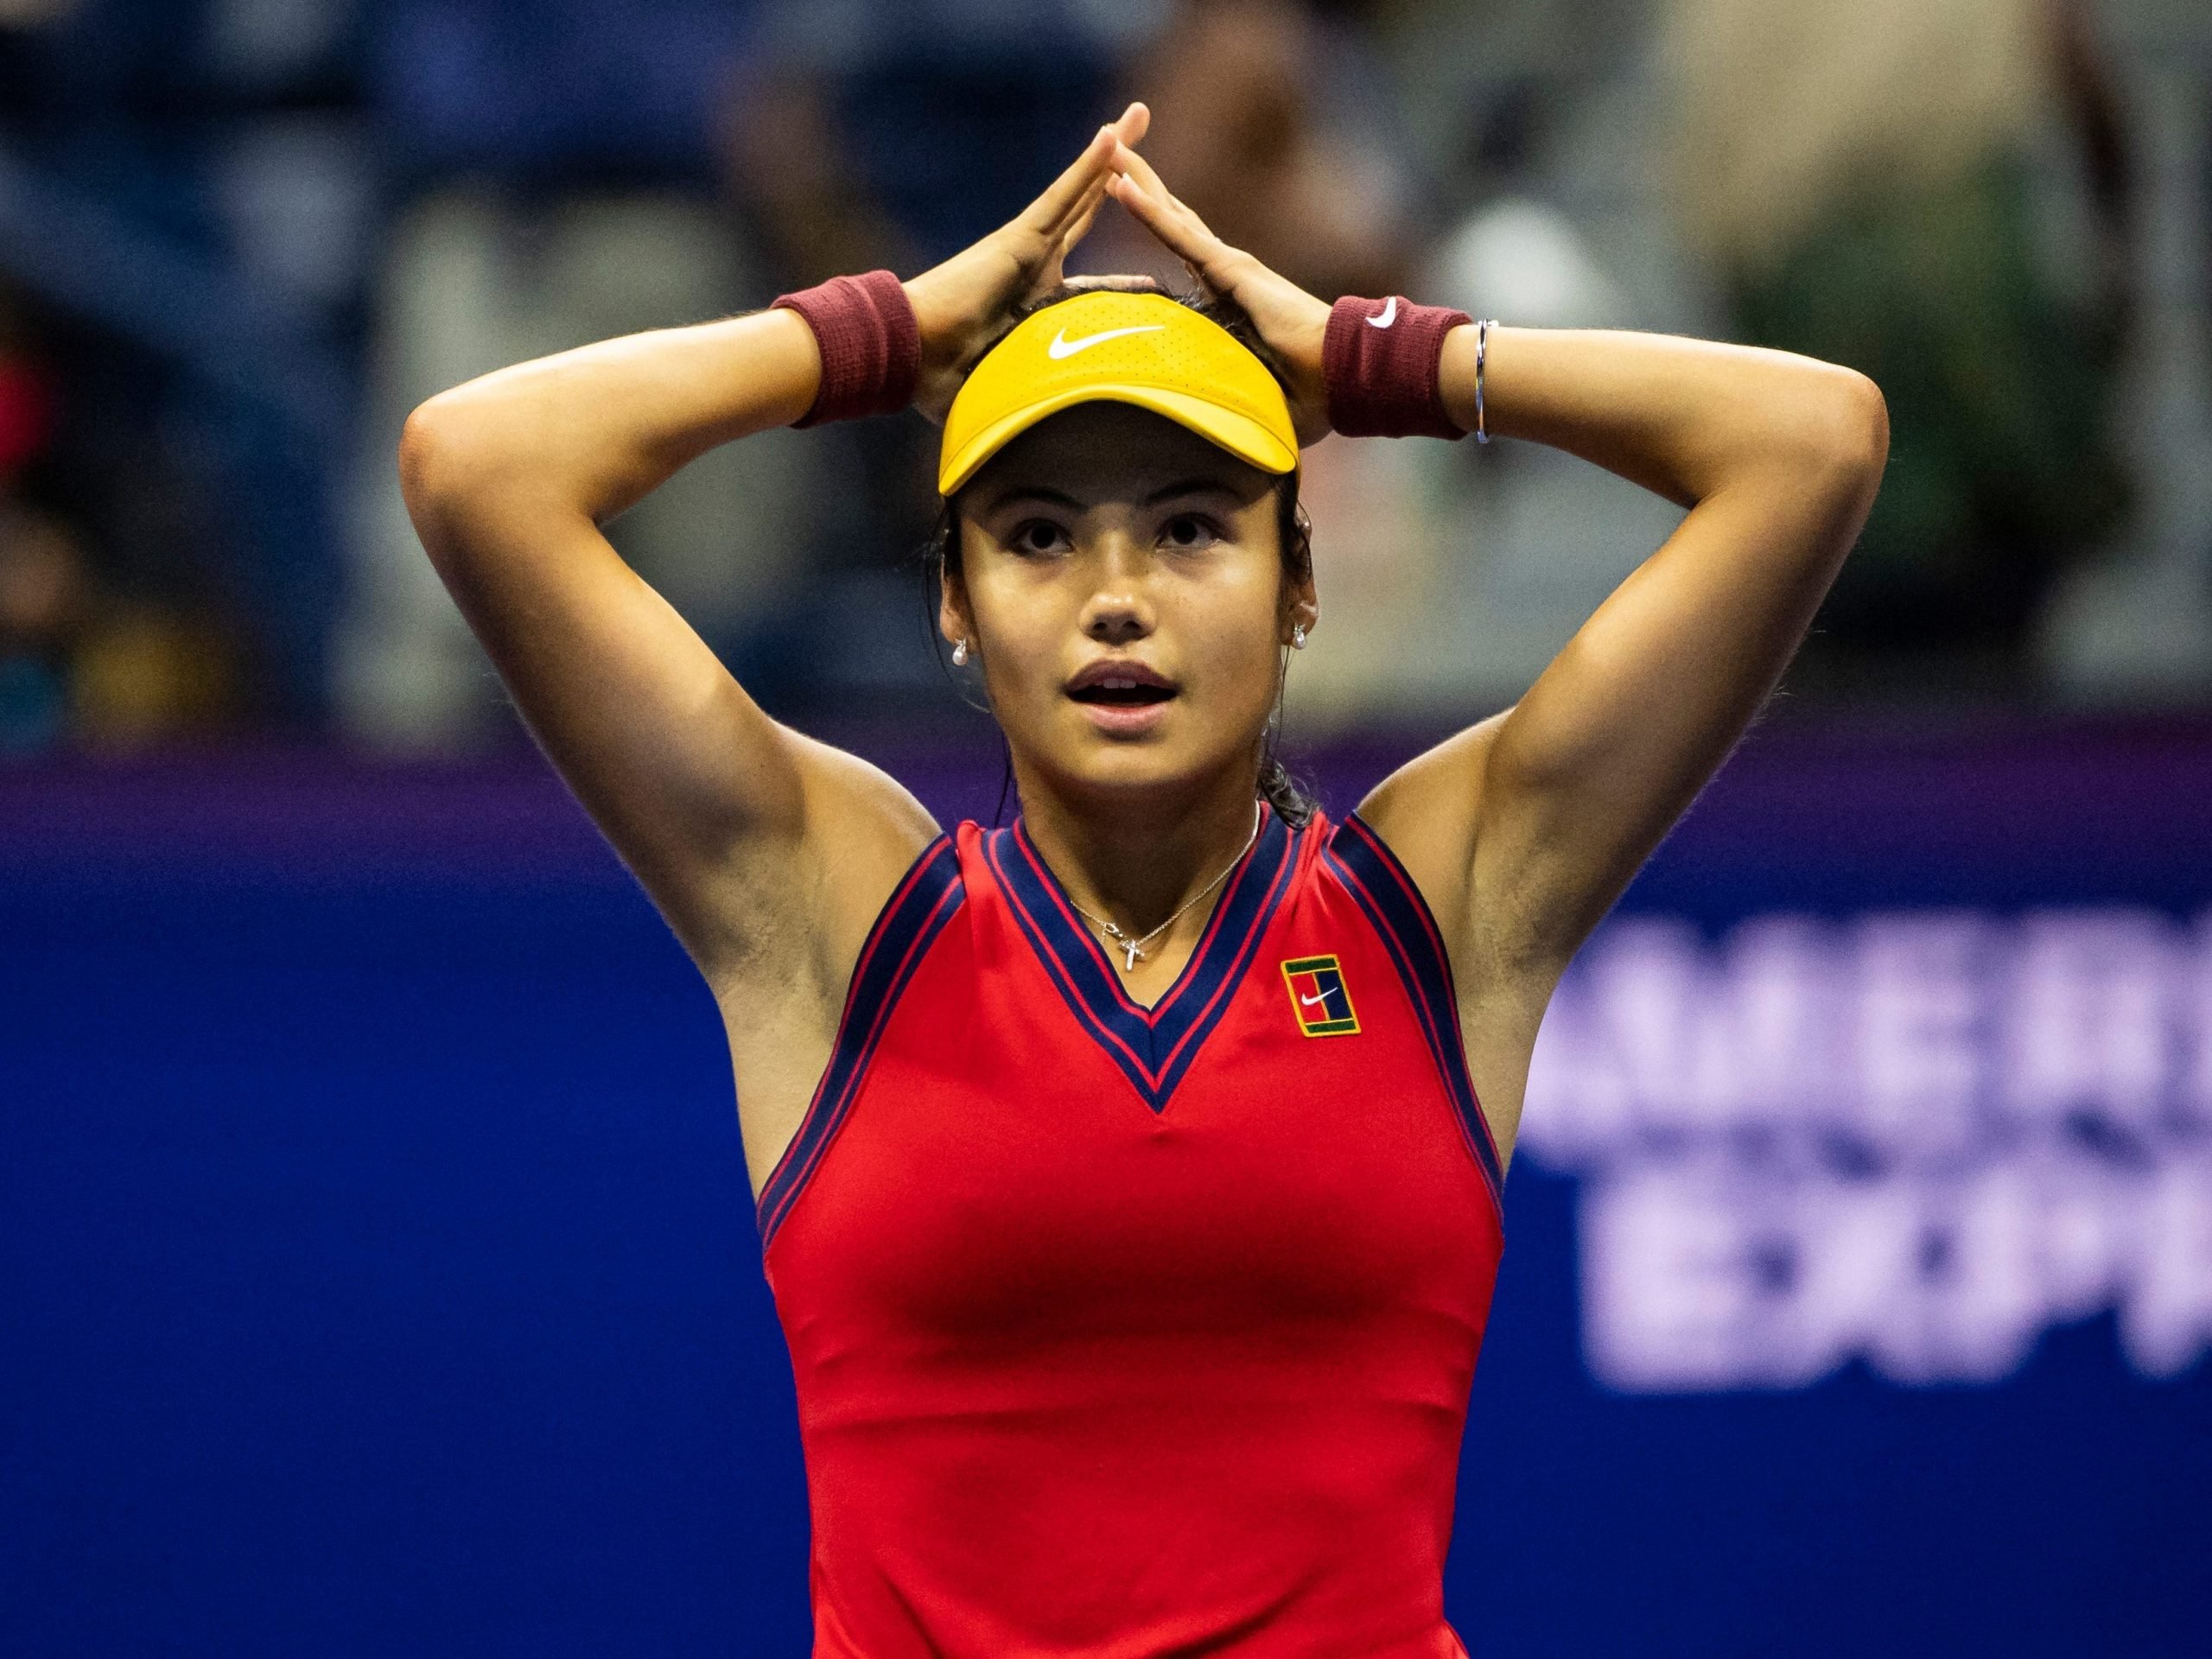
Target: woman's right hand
<point x="962" y="306"/>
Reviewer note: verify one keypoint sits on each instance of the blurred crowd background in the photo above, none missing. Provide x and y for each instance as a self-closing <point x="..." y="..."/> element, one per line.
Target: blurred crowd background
<point x="239" y="240"/>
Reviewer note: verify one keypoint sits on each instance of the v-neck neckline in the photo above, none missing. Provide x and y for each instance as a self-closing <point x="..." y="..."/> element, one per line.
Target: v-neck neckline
<point x="1154" y="1046"/>
<point x="1065" y="904"/>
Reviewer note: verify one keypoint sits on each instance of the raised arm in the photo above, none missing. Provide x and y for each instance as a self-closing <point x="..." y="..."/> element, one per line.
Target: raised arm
<point x="1528" y="826"/>
<point x="747" y="834"/>
<point x="508" y="478"/>
<point x="1522" y="830"/>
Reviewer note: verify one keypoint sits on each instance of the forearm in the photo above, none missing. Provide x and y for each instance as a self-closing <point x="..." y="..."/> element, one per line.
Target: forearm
<point x="594" y="430"/>
<point x="1685" y="418"/>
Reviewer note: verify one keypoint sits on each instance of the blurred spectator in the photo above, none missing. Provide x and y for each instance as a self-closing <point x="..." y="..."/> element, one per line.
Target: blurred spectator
<point x="118" y="657"/>
<point x="154" y="155"/>
<point x="1866" y="176"/>
<point x="42" y="600"/>
<point x="1272" y="123"/>
<point x="899" y="131"/>
<point x="873" y="133"/>
<point x="288" y="220"/>
<point x="474" y="279"/>
<point x="1522" y="127"/>
<point x="555" y="93"/>
<point x="558" y="158"/>
<point x="43" y="577"/>
<point x="26" y="396"/>
<point x="144" y="674"/>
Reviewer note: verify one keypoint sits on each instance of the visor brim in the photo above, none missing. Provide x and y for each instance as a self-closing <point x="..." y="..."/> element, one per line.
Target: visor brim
<point x="1239" y="434"/>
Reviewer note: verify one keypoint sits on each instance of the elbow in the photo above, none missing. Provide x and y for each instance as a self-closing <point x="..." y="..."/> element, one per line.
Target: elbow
<point x="469" y="455"/>
<point x="428" y="466"/>
<point x="453" y="464"/>
<point x="434" y="463"/>
<point x="1825" y="444"/>
<point x="1855" y="434"/>
<point x="1867" y="424"/>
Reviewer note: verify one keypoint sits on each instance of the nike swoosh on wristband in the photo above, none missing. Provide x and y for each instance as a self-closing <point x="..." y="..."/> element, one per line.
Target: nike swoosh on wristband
<point x="1389" y="314"/>
<point x="1062" y="346"/>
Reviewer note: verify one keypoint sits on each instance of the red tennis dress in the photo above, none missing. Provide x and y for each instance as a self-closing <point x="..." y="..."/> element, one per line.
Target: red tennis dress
<point x="1132" y="1333"/>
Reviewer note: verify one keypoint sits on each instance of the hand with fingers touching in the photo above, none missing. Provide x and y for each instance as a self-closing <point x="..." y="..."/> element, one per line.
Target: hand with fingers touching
<point x="964" y="305"/>
<point x="1293" y="322"/>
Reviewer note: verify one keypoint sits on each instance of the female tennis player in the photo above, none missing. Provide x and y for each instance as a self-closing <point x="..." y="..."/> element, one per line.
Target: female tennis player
<point x="1128" y="1178"/>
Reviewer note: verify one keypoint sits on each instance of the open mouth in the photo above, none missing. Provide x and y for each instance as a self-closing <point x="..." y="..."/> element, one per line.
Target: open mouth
<point x="1121" y="683"/>
<point x="1121" y="694"/>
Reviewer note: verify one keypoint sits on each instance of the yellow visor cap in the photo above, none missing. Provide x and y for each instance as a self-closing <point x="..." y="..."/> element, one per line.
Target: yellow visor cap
<point x="1109" y="346"/>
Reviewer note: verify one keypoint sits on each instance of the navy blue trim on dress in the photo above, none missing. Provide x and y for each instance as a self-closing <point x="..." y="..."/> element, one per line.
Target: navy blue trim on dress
<point x="1374" y="876"/>
<point x="1154" y="1046"/>
<point x="923" y="901"/>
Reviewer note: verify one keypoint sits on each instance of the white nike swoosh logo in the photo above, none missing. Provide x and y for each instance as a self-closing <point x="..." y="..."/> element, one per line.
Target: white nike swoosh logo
<point x="1389" y="314"/>
<point x="1062" y="346"/>
<point x="1310" y="1001"/>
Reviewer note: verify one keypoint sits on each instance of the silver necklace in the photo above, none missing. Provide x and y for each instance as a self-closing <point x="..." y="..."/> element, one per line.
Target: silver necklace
<point x="1133" y="949"/>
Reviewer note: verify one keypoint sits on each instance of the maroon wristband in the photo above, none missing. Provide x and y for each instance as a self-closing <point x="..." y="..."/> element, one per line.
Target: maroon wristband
<point x="871" y="347"/>
<point x="1379" y="360"/>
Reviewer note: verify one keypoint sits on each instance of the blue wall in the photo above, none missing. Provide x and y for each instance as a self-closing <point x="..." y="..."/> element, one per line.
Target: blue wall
<point x="377" y="1274"/>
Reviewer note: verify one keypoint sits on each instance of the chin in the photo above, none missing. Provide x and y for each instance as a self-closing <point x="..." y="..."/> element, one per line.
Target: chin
<point x="1159" y="764"/>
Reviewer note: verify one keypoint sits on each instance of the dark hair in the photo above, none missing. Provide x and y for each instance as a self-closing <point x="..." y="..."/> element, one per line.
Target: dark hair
<point x="1293" y="530"/>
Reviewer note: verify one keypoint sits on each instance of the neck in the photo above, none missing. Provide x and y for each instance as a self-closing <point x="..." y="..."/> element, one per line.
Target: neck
<point x="1136" y="857"/>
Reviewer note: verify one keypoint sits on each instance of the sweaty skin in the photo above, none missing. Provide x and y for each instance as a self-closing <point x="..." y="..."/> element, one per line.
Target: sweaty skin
<point x="771" y="853"/>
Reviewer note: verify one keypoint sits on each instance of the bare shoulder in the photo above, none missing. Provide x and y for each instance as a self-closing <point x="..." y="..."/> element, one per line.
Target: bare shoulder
<point x="1428" y="813"/>
<point x="794" y="909"/>
<point x="790" y="916"/>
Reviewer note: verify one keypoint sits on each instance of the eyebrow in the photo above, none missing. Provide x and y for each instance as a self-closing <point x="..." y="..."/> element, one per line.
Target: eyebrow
<point x="1190" y="486"/>
<point x="1035" y="493"/>
<point x="1061" y="499"/>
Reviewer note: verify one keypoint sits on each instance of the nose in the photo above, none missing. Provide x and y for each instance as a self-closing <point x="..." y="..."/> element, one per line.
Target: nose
<point x="1118" y="612"/>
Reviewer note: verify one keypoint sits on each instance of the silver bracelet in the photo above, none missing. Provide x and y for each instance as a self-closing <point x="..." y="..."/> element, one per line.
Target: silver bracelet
<point x="1482" y="357"/>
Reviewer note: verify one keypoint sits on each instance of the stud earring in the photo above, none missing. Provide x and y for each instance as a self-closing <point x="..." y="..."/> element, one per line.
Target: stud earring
<point x="960" y="653"/>
<point x="1297" y="636"/>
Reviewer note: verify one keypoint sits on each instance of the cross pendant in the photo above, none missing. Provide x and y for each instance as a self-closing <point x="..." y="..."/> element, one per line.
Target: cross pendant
<point x="1130" y="947"/>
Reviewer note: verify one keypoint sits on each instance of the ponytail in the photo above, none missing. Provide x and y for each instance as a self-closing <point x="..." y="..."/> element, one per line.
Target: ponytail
<point x="1284" y="792"/>
<point x="1294" y="535"/>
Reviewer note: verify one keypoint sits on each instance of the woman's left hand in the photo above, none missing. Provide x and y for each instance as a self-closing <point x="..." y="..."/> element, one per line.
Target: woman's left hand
<point x="1292" y="321"/>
